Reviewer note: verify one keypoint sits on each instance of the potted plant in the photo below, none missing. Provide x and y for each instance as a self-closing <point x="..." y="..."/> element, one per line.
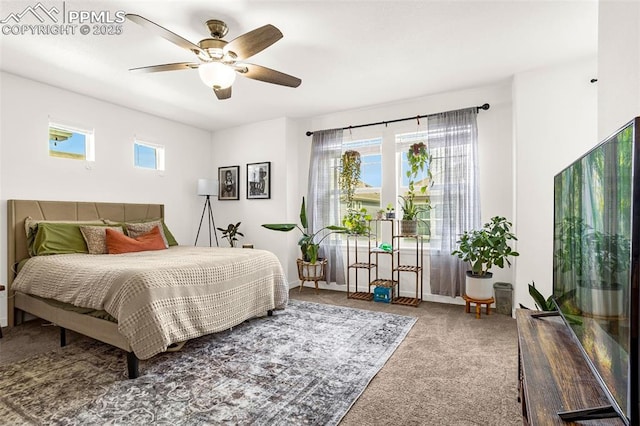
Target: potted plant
<point x="484" y="248"/>
<point x="391" y="211"/>
<point x="355" y="220"/>
<point x="308" y="244"/>
<point x="418" y="158"/>
<point x="380" y="214"/>
<point x="230" y="233"/>
<point x="310" y="267"/>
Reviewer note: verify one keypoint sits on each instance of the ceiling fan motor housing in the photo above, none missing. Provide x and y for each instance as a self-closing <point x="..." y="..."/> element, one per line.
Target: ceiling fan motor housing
<point x="217" y="28"/>
<point x="213" y="46"/>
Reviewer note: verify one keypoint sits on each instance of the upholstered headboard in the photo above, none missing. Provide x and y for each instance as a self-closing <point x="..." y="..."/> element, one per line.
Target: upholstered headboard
<point x="19" y="210"/>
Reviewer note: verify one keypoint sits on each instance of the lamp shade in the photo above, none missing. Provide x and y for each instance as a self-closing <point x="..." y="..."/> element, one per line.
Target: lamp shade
<point x="216" y="75"/>
<point x="207" y="187"/>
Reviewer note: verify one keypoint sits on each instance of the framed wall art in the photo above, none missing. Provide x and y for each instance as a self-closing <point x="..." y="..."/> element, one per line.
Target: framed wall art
<point x="229" y="183"/>
<point x="259" y="180"/>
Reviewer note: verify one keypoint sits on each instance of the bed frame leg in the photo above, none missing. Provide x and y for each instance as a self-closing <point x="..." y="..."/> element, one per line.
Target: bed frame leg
<point x="132" y="365"/>
<point x="270" y="312"/>
<point x="63" y="337"/>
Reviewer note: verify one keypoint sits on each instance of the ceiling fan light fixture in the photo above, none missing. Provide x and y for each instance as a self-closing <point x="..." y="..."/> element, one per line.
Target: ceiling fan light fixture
<point x="216" y="75"/>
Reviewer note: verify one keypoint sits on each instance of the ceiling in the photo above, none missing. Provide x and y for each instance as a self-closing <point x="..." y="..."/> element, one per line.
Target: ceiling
<point x="349" y="54"/>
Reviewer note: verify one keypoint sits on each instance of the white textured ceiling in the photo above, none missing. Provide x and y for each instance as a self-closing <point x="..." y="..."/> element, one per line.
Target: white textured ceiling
<point x="349" y="54"/>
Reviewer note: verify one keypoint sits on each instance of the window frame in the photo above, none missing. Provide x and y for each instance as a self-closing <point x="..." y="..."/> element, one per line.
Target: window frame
<point x="89" y="141"/>
<point x="159" y="155"/>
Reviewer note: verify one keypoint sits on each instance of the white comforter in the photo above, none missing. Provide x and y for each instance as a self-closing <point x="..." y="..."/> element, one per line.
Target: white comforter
<point x="166" y="296"/>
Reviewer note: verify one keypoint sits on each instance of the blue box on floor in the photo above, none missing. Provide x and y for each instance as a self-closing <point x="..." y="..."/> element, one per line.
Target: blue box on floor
<point x="382" y="294"/>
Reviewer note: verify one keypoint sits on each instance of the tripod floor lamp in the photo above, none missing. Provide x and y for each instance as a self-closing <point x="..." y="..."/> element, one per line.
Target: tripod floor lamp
<point x="207" y="188"/>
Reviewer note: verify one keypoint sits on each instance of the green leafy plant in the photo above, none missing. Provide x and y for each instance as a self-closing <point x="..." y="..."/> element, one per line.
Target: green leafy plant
<point x="349" y="175"/>
<point x="391" y="211"/>
<point x="541" y="303"/>
<point x="486" y="247"/>
<point x="410" y="209"/>
<point x="355" y="221"/>
<point x="308" y="245"/>
<point x="231" y="232"/>
<point x="418" y="158"/>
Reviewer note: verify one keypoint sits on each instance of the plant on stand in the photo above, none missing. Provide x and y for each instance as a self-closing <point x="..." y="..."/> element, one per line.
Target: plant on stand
<point x="355" y="220"/>
<point x="418" y="159"/>
<point x="308" y="245"/>
<point x="310" y="267"/>
<point x="391" y="211"/>
<point x="484" y="248"/>
<point x="230" y="233"/>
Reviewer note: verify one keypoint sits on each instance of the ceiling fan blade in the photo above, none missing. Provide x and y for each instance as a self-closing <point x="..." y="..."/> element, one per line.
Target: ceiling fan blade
<point x="255" y="41"/>
<point x="223" y="93"/>
<point x="268" y="75"/>
<point x="167" y="67"/>
<point x="165" y="33"/>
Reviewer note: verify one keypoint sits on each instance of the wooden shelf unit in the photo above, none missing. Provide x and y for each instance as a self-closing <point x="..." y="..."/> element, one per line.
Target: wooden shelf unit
<point x="356" y="265"/>
<point x="416" y="268"/>
<point x="373" y="240"/>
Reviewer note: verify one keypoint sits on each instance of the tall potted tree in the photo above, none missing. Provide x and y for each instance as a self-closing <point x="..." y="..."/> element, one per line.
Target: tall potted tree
<point x="418" y="158"/>
<point x="484" y="248"/>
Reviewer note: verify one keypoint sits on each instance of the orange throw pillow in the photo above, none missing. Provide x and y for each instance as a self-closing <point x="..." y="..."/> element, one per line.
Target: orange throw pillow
<point x="119" y="243"/>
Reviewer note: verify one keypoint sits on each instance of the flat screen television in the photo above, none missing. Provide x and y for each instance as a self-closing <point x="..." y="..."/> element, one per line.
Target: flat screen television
<point x="596" y="247"/>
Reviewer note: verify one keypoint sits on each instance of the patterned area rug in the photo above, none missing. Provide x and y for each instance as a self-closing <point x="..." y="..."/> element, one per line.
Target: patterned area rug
<point x="305" y="365"/>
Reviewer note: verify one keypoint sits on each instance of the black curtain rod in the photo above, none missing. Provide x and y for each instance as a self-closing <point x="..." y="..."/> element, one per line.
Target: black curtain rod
<point x="478" y="108"/>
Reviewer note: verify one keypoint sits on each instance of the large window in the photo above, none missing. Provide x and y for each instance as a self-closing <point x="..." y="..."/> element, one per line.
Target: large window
<point x="384" y="170"/>
<point x="148" y="156"/>
<point x="71" y="142"/>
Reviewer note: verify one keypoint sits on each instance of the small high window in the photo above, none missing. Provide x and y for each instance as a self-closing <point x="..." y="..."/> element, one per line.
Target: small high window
<point x="148" y="156"/>
<point x="71" y="142"/>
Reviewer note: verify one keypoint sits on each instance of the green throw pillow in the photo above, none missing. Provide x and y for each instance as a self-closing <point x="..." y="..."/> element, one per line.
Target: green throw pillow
<point x="58" y="238"/>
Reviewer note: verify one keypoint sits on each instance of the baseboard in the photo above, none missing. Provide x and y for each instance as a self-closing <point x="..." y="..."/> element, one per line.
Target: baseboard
<point x="425" y="297"/>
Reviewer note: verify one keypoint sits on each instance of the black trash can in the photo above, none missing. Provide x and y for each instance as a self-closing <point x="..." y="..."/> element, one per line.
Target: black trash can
<point x="504" y="298"/>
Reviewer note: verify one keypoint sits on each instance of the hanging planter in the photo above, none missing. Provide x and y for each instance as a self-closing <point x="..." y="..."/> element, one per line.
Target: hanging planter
<point x="355" y="220"/>
<point x="419" y="161"/>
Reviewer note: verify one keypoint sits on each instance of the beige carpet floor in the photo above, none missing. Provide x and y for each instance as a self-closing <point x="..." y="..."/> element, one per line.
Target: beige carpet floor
<point x="451" y="369"/>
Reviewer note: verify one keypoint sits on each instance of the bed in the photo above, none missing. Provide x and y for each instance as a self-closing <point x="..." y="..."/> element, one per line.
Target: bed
<point x="146" y="301"/>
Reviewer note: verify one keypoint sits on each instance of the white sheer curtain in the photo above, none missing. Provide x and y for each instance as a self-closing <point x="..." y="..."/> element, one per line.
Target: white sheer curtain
<point x="453" y="138"/>
<point x="323" y="201"/>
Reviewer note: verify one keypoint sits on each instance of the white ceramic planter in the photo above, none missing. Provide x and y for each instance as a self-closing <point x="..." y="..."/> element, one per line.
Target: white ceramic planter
<point x="479" y="288"/>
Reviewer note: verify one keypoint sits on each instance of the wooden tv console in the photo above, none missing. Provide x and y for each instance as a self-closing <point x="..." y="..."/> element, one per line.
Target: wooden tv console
<point x="553" y="374"/>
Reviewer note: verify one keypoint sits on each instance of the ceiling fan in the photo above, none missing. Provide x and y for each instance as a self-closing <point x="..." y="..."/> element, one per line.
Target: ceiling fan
<point x="221" y="60"/>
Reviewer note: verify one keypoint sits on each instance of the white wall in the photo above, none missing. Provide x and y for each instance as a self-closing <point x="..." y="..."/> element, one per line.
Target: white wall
<point x="618" y="64"/>
<point x="272" y="141"/>
<point x="28" y="172"/>
<point x="555" y="116"/>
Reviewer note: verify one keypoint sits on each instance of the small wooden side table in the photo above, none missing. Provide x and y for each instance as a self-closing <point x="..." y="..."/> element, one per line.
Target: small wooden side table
<point x="478" y="303"/>
<point x="1" y="289"/>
